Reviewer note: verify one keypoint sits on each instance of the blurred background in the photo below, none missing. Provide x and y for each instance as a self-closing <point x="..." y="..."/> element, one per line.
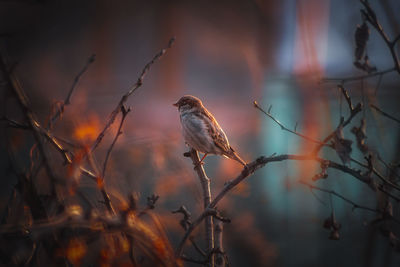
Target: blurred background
<point x="227" y="53"/>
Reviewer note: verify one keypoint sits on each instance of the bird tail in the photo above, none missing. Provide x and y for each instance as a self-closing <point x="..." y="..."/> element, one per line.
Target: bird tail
<point x="233" y="155"/>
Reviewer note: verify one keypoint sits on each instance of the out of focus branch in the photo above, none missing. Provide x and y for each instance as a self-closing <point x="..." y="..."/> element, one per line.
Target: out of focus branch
<point x="354" y="205"/>
<point x="124" y="112"/>
<point x="357" y="78"/>
<point x="39" y="132"/>
<point x="145" y="238"/>
<point x="67" y="100"/>
<point x="370" y="16"/>
<point x="131" y="90"/>
<point x="34" y="125"/>
<point x="14" y="124"/>
<point x="353" y="112"/>
<point x="384" y="113"/>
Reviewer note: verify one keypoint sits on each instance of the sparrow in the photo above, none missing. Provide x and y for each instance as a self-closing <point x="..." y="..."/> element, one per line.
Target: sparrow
<point x="201" y="130"/>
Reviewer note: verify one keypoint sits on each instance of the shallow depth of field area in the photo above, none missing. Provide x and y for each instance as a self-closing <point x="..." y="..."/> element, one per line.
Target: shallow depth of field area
<point x="94" y="167"/>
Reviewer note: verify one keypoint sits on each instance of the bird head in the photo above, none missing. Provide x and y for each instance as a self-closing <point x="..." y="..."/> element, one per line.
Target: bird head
<point x="188" y="102"/>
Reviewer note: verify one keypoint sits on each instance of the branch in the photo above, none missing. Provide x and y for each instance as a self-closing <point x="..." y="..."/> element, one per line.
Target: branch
<point x="395" y="40"/>
<point x="205" y="184"/>
<point x="356" y="78"/>
<point x="220" y="257"/>
<point x="14" y="124"/>
<point x="334" y="193"/>
<point x="67" y="100"/>
<point x="284" y="127"/>
<point x="370" y="16"/>
<point x="384" y="113"/>
<point x="22" y="100"/>
<point x="39" y="132"/>
<point x="261" y="162"/>
<point x="353" y="112"/>
<point x="125" y="97"/>
<point x="372" y="169"/>
<point x="124" y="112"/>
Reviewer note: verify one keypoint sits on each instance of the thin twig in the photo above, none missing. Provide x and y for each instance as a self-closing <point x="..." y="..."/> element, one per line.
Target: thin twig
<point x="380" y="176"/>
<point x="384" y="113"/>
<point x="131" y="90"/>
<point x="353" y="112"/>
<point x="196" y="246"/>
<point x="334" y="193"/>
<point x="14" y="124"/>
<point x="370" y="16"/>
<point x="357" y="78"/>
<point x="67" y="100"/>
<point x="284" y="127"/>
<point x="124" y="112"/>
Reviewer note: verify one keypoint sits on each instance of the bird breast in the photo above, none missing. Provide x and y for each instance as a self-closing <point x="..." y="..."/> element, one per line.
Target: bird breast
<point x="195" y="130"/>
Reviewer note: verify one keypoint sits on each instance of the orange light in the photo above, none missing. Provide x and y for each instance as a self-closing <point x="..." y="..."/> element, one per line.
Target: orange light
<point x="88" y="131"/>
<point x="76" y="250"/>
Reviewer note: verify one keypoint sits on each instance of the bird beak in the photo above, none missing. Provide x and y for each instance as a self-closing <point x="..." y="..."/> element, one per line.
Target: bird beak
<point x="175" y="104"/>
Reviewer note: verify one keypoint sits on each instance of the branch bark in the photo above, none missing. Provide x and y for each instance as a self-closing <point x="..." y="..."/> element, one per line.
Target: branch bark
<point x="205" y="185"/>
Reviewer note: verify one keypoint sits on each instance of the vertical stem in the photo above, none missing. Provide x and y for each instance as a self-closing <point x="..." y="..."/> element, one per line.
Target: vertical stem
<point x="205" y="184"/>
<point x="220" y="257"/>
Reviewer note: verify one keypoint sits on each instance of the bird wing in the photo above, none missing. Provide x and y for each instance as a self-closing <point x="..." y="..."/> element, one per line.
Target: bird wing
<point x="216" y="132"/>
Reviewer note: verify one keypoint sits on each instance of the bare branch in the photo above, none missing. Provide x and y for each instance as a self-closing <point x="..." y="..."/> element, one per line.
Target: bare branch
<point x="22" y="99"/>
<point x="261" y="162"/>
<point x="220" y="257"/>
<point x="353" y="112"/>
<point x="205" y="184"/>
<point x="67" y="100"/>
<point x="370" y="16"/>
<point x="124" y="112"/>
<point x="334" y="193"/>
<point x="395" y="40"/>
<point x="14" y="124"/>
<point x="131" y="90"/>
<point x="357" y="78"/>
<point x="384" y="113"/>
<point x="284" y="127"/>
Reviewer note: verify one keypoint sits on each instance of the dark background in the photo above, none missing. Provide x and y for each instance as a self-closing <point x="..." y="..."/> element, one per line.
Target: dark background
<point x="228" y="53"/>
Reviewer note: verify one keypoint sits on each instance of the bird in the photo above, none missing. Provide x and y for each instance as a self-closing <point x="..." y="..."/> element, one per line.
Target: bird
<point x="201" y="130"/>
